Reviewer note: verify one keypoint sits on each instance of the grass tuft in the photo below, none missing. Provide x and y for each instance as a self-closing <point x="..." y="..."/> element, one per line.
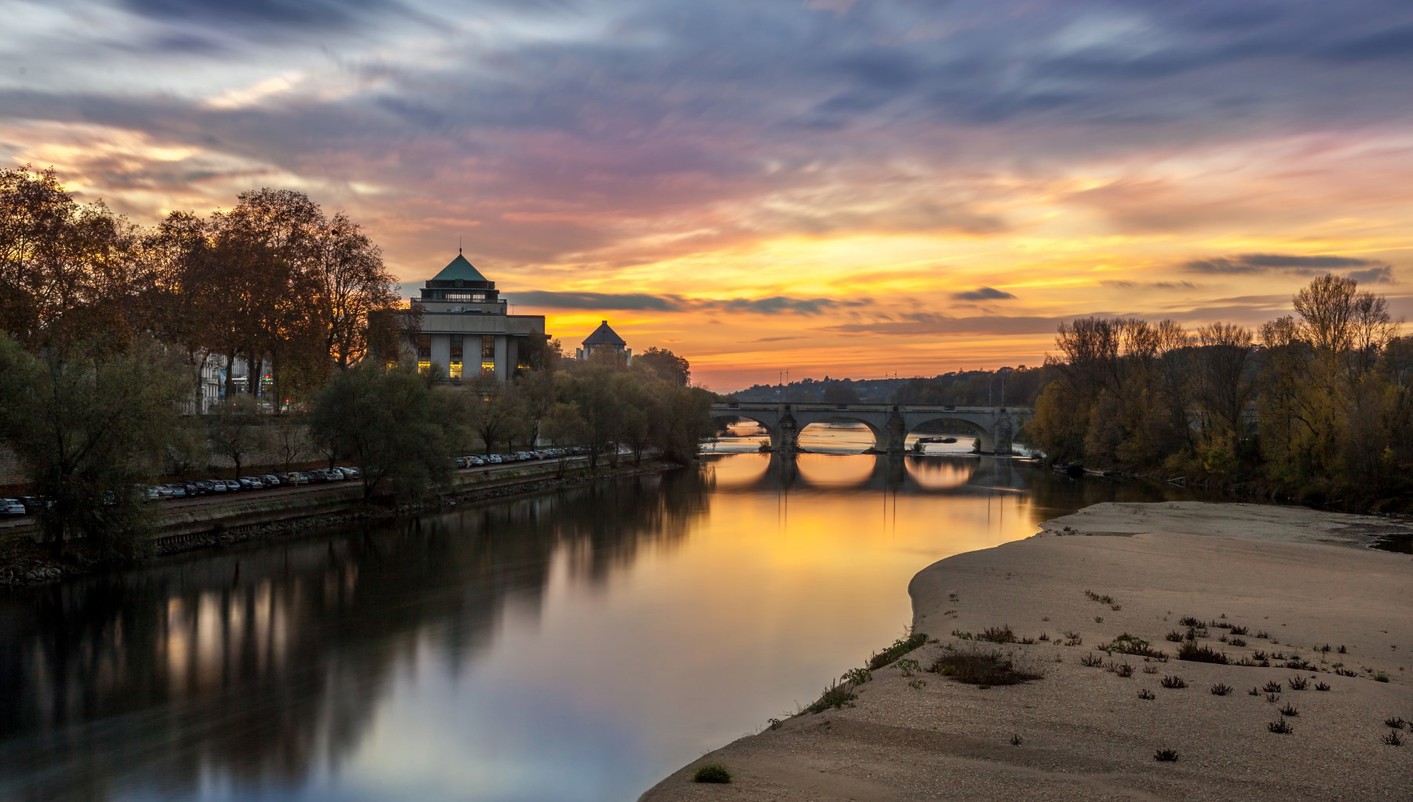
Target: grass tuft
<point x="1165" y="755"/>
<point x="983" y="667"/>
<point x="1221" y="689"/>
<point x="1280" y="727"/>
<point x="1172" y="682"/>
<point x="836" y="696"/>
<point x="1190" y="651"/>
<point x="899" y="648"/>
<point x="711" y="773"/>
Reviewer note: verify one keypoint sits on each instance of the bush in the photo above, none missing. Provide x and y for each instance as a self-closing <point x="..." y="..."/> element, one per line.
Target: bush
<point x="1201" y="654"/>
<point x="982" y="667"/>
<point x="899" y="648"/>
<point x="711" y="773"/>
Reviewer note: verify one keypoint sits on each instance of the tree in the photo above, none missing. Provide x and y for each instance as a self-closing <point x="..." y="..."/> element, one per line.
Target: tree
<point x="1225" y="381"/>
<point x="398" y="428"/>
<point x="665" y="365"/>
<point x="350" y="284"/>
<point x="235" y="429"/>
<point x="87" y="424"/>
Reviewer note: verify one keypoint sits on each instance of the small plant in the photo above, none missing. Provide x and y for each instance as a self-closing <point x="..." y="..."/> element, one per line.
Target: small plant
<point x="1016" y="740"/>
<point x="1091" y="660"/>
<point x="1189" y="621"/>
<point x="1254" y="692"/>
<point x="711" y="773"/>
<point x="1174" y="636"/>
<point x="1146" y="694"/>
<point x="774" y="723"/>
<point x="1322" y="686"/>
<point x="1098" y="619"/>
<point x="1238" y="630"/>
<point x="1073" y="639"/>
<point x="1273" y="686"/>
<point x="1043" y="637"/>
<point x="899" y="648"/>
<point x="1298" y="683"/>
<point x="1001" y="634"/>
<point x="917" y="684"/>
<point x="908" y="666"/>
<point x="1395" y="722"/>
<point x="1165" y="755"/>
<point x="1123" y="670"/>
<point x="1273" y="697"/>
<point x="1235" y="641"/>
<point x="1258" y="655"/>
<point x="836" y="696"/>
<point x="1201" y="654"/>
<point x="1280" y="727"/>
<point x="1150" y="669"/>
<point x="1346" y="672"/>
<point x="1172" y="682"/>
<point x="952" y="596"/>
<point x="1393" y="738"/>
<point x="983" y="668"/>
<point x="1380" y="676"/>
<point x="857" y="676"/>
<point x="1125" y="643"/>
<point x="1342" y="650"/>
<point x="1289" y="710"/>
<point x="1221" y="689"/>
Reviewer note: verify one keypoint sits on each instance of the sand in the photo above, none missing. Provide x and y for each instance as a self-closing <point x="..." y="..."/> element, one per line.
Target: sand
<point x="1297" y="579"/>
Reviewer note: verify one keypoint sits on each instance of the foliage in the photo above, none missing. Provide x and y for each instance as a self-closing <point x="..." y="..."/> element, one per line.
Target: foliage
<point x="984" y="667"/>
<point x="395" y="425"/>
<point x="898" y="648"/>
<point x="711" y="773"/>
<point x="88" y="424"/>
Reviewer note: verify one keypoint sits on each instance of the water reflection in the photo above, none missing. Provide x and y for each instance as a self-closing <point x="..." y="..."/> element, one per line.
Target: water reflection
<point x="265" y="665"/>
<point x="573" y="646"/>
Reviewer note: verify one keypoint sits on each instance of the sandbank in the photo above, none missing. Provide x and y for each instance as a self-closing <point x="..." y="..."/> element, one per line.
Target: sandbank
<point x="1299" y="581"/>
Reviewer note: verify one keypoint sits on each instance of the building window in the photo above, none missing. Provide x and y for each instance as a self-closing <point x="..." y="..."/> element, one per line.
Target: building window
<point x="453" y="370"/>
<point x="488" y="348"/>
<point x="424" y="347"/>
<point x="472" y="297"/>
<point x="424" y="366"/>
<point x="488" y="369"/>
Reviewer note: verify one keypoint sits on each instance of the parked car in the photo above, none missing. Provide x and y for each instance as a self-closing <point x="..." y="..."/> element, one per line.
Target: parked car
<point x="349" y="473"/>
<point x="476" y="462"/>
<point x="176" y="490"/>
<point x="11" y="507"/>
<point x="232" y="486"/>
<point x="205" y="487"/>
<point x="250" y="483"/>
<point x="34" y="504"/>
<point x="494" y="459"/>
<point x="270" y="480"/>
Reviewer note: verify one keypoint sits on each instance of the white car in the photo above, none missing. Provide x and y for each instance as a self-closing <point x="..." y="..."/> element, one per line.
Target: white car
<point x="11" y="506"/>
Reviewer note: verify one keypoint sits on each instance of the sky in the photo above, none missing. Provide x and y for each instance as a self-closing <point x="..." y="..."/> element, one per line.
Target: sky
<point x="828" y="187"/>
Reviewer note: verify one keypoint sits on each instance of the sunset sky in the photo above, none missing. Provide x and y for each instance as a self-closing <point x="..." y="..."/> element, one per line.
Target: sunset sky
<point x="830" y="187"/>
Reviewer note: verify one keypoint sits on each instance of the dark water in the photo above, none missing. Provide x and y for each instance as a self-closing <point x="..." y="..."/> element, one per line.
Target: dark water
<point x="576" y="646"/>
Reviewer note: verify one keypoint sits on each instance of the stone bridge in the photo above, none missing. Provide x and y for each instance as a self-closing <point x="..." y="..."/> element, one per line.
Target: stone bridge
<point x="890" y="423"/>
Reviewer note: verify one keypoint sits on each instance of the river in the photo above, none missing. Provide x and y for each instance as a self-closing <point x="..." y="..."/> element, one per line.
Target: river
<point x="574" y="646"/>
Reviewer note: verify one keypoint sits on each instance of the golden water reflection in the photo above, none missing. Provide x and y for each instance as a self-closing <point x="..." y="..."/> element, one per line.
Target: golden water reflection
<point x="576" y="645"/>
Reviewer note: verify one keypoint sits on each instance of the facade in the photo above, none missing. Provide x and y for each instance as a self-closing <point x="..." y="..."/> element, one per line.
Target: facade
<point x="466" y="328"/>
<point x="604" y="339"/>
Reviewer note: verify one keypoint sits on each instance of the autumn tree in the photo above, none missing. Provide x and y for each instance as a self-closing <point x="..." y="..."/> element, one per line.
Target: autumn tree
<point x="665" y="365"/>
<point x="87" y="423"/>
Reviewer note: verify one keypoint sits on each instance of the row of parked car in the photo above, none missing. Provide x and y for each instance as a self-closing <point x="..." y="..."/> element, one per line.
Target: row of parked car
<point x="477" y="461"/>
<point x="210" y="487"/>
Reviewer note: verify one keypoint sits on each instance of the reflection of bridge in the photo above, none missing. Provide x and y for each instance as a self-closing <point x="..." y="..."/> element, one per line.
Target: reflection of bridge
<point x="783" y="471"/>
<point x="890" y="423"/>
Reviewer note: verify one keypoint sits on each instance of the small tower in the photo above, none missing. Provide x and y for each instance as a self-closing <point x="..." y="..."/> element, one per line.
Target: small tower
<point x="605" y="340"/>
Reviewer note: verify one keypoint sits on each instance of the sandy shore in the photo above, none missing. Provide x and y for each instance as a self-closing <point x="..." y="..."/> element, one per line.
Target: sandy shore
<point x="1297" y="580"/>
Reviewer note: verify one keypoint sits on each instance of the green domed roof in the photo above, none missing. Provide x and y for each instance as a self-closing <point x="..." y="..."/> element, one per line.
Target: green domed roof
<point x="460" y="269"/>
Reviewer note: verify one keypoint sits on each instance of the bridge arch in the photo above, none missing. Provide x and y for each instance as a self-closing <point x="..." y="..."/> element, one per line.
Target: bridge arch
<point x="880" y="438"/>
<point x="959" y="425"/>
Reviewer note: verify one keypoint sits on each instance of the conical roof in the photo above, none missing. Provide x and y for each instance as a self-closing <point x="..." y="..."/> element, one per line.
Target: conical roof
<point x="460" y="269"/>
<point x="604" y="335"/>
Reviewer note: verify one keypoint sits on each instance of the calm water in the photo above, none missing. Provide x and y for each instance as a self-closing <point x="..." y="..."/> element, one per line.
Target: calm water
<point x="578" y="646"/>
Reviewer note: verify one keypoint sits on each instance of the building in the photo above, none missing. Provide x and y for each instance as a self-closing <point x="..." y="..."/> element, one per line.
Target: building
<point x="604" y="340"/>
<point x="466" y="328"/>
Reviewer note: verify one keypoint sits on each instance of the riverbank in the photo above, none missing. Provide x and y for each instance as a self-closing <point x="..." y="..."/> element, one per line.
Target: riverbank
<point x="219" y="522"/>
<point x="1295" y="593"/>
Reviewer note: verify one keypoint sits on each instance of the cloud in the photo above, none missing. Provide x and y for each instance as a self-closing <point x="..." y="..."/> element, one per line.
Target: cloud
<point x="1374" y="275"/>
<point x="983" y="294"/>
<point x="773" y="305"/>
<point x="1248" y="263"/>
<point x="928" y="323"/>
<point x="1156" y="285"/>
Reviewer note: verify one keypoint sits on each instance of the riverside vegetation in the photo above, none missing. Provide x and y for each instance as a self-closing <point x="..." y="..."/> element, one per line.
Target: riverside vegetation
<point x="105" y="327"/>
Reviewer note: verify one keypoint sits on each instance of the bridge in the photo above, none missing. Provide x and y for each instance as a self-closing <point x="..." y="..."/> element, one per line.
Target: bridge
<point x="890" y="423"/>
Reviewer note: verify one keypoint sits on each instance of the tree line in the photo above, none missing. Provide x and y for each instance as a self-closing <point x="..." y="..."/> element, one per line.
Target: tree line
<point x="105" y="327"/>
<point x="1313" y="406"/>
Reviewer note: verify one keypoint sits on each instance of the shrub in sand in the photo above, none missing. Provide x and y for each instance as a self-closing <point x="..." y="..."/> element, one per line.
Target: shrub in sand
<point x="899" y="648"/>
<point x="711" y="773"/>
<point x="1165" y="755"/>
<point x="1201" y="654"/>
<point x="1172" y="682"/>
<point x="836" y="695"/>
<point x="984" y="667"/>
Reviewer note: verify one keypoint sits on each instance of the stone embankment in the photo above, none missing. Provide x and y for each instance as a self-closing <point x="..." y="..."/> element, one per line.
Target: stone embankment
<point x="190" y="524"/>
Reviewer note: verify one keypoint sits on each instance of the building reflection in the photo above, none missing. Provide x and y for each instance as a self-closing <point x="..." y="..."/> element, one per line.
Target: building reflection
<point x="262" y="665"/>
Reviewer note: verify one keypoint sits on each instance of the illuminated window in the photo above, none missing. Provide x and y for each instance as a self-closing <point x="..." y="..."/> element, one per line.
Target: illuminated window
<point x="454" y="370"/>
<point x="424" y="366"/>
<point x="488" y="368"/>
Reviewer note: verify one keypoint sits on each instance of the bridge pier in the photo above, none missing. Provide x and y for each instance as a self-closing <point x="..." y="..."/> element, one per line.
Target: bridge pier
<point x="785" y="435"/>
<point x="897" y="433"/>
